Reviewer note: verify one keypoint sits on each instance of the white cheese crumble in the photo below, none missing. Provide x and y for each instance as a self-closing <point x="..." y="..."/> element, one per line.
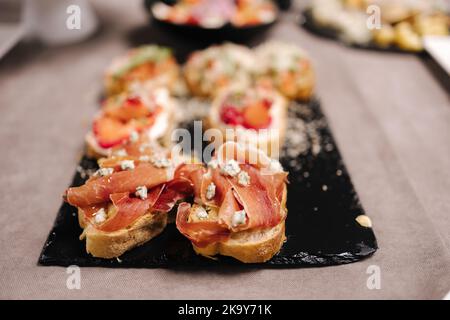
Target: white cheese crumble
<point x="134" y="136"/>
<point x="207" y="174"/>
<point x="231" y="168"/>
<point x="213" y="164"/>
<point x="161" y="162"/>
<point x="238" y="218"/>
<point x="201" y="213"/>
<point x="210" y="191"/>
<point x="243" y="179"/>
<point x="100" y="216"/>
<point x="141" y="192"/>
<point x="144" y="147"/>
<point x="275" y="166"/>
<point x="121" y="153"/>
<point x="144" y="158"/>
<point x="102" y="172"/>
<point x="127" y="165"/>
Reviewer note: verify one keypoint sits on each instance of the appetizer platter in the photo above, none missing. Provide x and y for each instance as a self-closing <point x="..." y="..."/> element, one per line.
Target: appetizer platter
<point x="283" y="200"/>
<point x="404" y="23"/>
<point x="219" y="16"/>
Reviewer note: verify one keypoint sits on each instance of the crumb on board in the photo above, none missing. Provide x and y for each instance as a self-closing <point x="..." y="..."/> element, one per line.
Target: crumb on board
<point x="364" y="221"/>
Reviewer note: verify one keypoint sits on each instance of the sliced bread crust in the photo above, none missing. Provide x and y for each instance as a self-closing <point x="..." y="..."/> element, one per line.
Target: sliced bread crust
<point x="265" y="142"/>
<point x="249" y="246"/>
<point x="113" y="244"/>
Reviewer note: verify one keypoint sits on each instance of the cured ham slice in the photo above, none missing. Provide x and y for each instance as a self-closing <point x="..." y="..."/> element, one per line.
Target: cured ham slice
<point x="228" y="208"/>
<point x="248" y="154"/>
<point x="222" y="187"/>
<point x="98" y="190"/>
<point x="173" y="192"/>
<point x="275" y="182"/>
<point x="193" y="172"/>
<point x="90" y="211"/>
<point x="128" y="210"/>
<point x="259" y="200"/>
<point x="200" y="233"/>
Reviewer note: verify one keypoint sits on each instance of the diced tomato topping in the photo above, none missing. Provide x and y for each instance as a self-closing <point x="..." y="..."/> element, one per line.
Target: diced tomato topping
<point x="257" y="116"/>
<point x="231" y="116"/>
<point x="133" y="101"/>
<point x="267" y="103"/>
<point x="110" y="132"/>
<point x="192" y="21"/>
<point x="131" y="108"/>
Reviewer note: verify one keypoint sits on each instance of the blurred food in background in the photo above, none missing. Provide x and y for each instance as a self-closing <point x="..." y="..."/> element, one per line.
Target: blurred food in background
<point x="151" y="64"/>
<point x="286" y="67"/>
<point x="210" y="70"/>
<point x="256" y="115"/>
<point x="216" y="14"/>
<point x="274" y="65"/>
<point x="403" y="22"/>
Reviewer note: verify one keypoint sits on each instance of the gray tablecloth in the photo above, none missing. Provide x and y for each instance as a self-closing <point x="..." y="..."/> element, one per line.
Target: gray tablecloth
<point x="388" y="112"/>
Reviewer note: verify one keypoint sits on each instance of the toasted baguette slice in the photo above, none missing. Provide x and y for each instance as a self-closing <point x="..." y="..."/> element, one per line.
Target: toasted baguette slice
<point x="159" y="131"/>
<point x="248" y="246"/>
<point x="150" y="64"/>
<point x="270" y="140"/>
<point x="288" y="68"/>
<point x="94" y="151"/>
<point x="113" y="244"/>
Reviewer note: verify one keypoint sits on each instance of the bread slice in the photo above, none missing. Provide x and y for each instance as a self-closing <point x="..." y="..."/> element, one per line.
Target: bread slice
<point x="108" y="245"/>
<point x="270" y="142"/>
<point x="95" y="151"/>
<point x="248" y="246"/>
<point x="160" y="131"/>
<point x="280" y="68"/>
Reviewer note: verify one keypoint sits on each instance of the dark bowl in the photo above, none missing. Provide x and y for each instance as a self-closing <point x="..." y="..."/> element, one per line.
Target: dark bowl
<point x="226" y="32"/>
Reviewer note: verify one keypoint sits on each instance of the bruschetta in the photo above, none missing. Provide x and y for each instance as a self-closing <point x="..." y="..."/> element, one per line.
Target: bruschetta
<point x="127" y="200"/>
<point x="287" y="68"/>
<point x="124" y="117"/>
<point x="255" y="115"/>
<point x="252" y="13"/>
<point x="216" y="14"/>
<point x="208" y="71"/>
<point x="239" y="208"/>
<point x="150" y="64"/>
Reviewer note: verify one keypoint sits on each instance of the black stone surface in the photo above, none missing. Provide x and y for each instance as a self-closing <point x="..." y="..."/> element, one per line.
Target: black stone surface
<point x="321" y="229"/>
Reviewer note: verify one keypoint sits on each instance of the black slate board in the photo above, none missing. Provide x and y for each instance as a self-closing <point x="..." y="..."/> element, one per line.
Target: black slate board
<point x="321" y="229"/>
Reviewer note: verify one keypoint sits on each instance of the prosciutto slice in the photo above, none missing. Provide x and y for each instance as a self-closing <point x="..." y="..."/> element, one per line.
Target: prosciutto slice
<point x="200" y="233"/>
<point x="228" y="208"/>
<point x="259" y="200"/>
<point x="174" y="191"/>
<point x="194" y="173"/>
<point x="98" y="190"/>
<point x="128" y="210"/>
